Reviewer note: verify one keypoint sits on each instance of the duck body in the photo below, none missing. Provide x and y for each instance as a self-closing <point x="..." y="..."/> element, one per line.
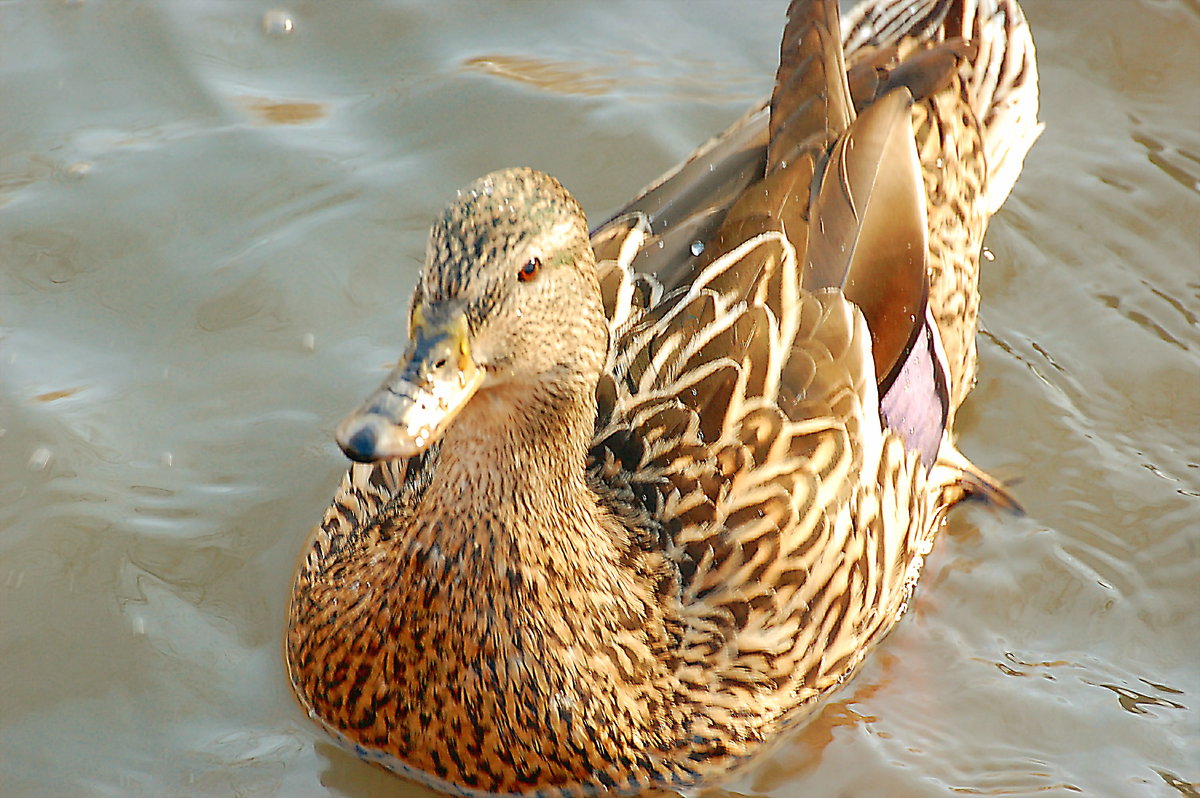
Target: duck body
<point x="626" y="511"/>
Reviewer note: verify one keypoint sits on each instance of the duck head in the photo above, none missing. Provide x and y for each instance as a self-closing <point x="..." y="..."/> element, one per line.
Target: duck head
<point x="507" y="303"/>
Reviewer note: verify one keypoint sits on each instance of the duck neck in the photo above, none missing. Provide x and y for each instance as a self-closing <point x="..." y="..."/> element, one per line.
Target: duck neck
<point x="515" y="461"/>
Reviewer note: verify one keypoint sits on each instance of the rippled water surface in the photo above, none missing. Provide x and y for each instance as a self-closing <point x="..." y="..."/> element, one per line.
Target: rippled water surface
<point x="208" y="232"/>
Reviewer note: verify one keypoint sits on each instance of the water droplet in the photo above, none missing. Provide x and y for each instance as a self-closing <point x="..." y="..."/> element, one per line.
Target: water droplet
<point x="697" y="247"/>
<point x="278" y="22"/>
<point x="309" y="342"/>
<point x="988" y="255"/>
<point x="167" y="459"/>
<point x="79" y="170"/>
<point x="139" y="625"/>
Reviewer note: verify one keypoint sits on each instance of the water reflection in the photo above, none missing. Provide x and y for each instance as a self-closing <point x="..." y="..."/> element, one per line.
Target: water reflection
<point x="208" y="235"/>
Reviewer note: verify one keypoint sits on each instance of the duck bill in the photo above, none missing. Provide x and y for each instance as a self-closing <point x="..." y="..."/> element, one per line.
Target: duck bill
<point x="416" y="403"/>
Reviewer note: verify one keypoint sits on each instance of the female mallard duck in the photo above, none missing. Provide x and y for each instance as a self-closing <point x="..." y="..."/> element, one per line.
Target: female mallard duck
<point x="633" y="502"/>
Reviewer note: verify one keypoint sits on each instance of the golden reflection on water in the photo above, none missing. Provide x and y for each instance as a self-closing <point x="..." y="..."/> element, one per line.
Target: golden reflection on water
<point x="53" y="396"/>
<point x="552" y="76"/>
<point x="200" y="274"/>
<point x="277" y="112"/>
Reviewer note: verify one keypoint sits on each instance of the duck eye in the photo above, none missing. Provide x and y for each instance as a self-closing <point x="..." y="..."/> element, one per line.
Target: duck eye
<point x="529" y="270"/>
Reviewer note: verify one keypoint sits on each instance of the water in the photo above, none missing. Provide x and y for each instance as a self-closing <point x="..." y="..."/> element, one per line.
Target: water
<point x="209" y="222"/>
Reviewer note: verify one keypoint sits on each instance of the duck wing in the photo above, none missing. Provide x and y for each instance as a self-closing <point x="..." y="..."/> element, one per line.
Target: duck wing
<point x="682" y="222"/>
<point x="740" y="407"/>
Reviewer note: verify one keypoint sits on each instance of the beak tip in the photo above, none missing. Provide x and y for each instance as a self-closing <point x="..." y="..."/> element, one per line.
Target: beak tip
<point x="369" y="438"/>
<point x="359" y="439"/>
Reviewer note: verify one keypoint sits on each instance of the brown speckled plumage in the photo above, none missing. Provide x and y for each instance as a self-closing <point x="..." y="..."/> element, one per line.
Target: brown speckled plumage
<point x="629" y="511"/>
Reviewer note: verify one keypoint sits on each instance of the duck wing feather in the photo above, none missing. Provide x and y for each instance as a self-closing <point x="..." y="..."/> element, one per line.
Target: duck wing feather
<point x="739" y="407"/>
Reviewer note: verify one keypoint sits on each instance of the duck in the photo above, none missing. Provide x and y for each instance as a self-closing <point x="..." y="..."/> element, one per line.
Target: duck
<point x="636" y="499"/>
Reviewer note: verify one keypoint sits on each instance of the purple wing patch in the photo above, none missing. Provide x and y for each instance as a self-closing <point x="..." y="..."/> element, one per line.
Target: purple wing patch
<point x="915" y="406"/>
